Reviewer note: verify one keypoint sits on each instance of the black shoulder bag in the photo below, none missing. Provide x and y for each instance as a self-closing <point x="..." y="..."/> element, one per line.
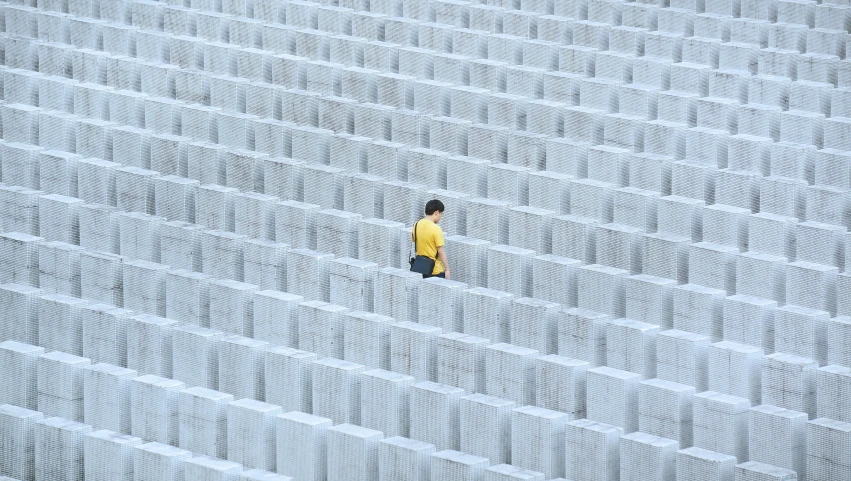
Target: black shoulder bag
<point x="421" y="264"/>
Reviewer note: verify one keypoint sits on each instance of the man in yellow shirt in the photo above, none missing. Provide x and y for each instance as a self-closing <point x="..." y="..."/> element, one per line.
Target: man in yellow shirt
<point x="429" y="238"/>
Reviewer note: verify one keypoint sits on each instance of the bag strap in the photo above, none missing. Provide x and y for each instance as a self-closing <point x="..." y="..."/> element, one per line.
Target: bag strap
<point x="415" y="241"/>
<point x="414" y="231"/>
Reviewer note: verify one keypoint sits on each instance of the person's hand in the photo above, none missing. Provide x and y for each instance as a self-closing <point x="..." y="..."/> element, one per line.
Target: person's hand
<point x="447" y="274"/>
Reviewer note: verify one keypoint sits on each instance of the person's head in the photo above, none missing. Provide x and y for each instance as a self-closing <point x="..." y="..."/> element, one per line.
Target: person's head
<point x="434" y="210"/>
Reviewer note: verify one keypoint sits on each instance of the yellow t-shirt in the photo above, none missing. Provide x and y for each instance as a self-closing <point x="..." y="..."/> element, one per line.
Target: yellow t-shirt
<point x="429" y="238"/>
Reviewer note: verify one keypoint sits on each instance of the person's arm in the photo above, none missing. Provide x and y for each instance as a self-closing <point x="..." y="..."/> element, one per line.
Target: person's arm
<point x="441" y="254"/>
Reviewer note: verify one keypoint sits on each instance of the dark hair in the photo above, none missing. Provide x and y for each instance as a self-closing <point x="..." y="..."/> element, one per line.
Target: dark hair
<point x="433" y="206"/>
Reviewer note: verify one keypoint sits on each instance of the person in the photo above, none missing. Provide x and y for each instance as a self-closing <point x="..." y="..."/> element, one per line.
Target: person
<point x="430" y="238"/>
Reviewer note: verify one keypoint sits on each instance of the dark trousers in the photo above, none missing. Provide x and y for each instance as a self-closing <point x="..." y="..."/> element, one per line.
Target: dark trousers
<point x="441" y="275"/>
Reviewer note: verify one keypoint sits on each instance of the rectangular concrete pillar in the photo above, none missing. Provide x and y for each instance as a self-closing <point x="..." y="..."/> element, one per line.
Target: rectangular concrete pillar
<point x="665" y="409"/>
<point x="537" y="439"/>
<point x="60" y="384"/>
<point x="554" y="279"/>
<point x="582" y="335"/>
<point x="397" y="293"/>
<point x="701" y="462"/>
<point x="404" y="459"/>
<point x="486" y="427"/>
<point x="106" y="396"/>
<point x="59" y="448"/>
<point x="276" y="317"/>
<point x="301" y="444"/>
<point x="154" y="401"/>
<point x="461" y="361"/>
<point x="534" y="325"/>
<point x="447" y="314"/>
<point x="18" y="437"/>
<point x="750" y="320"/>
<point x="20" y="321"/>
<point x="778" y="436"/>
<point x="592" y="450"/>
<point x="352" y="283"/>
<point x="321" y="328"/>
<point x="109" y="455"/>
<point x="698" y="309"/>
<point x="367" y="339"/>
<point x="232" y="306"/>
<point x="242" y="367"/>
<point x="337" y="390"/>
<point x="645" y="456"/>
<point x="353" y="453"/>
<point x="721" y="423"/>
<point x="413" y="349"/>
<point x="429" y="401"/>
<point x="510" y="372"/>
<point x="458" y="466"/>
<point x="289" y="378"/>
<point x="202" y="417"/>
<point x="788" y="381"/>
<point x="187" y="297"/>
<point x="151" y="351"/>
<point x="631" y="346"/>
<point x="248" y="422"/>
<point x="195" y="355"/>
<point x="486" y="313"/>
<point x="385" y="397"/>
<point x="18" y="362"/>
<point x="682" y="357"/>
